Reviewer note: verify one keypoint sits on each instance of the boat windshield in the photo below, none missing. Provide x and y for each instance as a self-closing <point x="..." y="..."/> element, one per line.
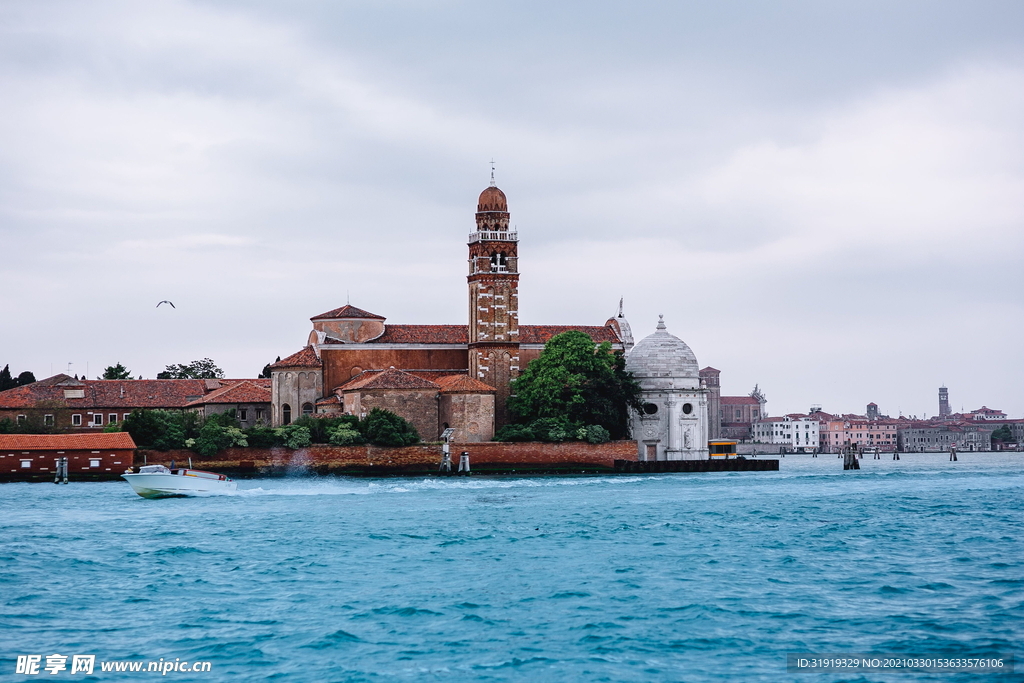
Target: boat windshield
<point x="153" y="469"/>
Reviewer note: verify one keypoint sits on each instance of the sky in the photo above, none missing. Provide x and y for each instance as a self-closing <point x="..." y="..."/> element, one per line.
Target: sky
<point x="825" y="199"/>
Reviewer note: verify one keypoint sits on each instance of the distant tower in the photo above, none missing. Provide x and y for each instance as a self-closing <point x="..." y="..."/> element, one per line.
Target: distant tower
<point x="494" y="299"/>
<point x="944" y="402"/>
<point x="712" y="380"/>
<point x="872" y="411"/>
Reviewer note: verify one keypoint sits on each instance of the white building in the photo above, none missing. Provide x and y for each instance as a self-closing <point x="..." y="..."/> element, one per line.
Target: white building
<point x="673" y="424"/>
<point x="798" y="432"/>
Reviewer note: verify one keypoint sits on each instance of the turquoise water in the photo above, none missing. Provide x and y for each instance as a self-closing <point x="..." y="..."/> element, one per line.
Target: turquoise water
<point x="686" y="577"/>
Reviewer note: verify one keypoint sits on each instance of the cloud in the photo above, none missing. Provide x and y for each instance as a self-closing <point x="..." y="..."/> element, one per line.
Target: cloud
<point x="758" y="179"/>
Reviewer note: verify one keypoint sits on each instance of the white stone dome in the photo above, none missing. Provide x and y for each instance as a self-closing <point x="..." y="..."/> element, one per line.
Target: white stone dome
<point x="663" y="361"/>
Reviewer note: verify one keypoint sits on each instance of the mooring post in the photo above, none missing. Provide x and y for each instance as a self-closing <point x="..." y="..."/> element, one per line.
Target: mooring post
<point x="464" y="462"/>
<point x="446" y="454"/>
<point x="952" y="453"/>
<point x="61" y="471"/>
<point x="850" y="458"/>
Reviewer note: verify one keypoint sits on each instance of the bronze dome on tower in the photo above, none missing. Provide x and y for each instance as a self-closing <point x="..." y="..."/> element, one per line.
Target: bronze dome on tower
<point x="492" y="199"/>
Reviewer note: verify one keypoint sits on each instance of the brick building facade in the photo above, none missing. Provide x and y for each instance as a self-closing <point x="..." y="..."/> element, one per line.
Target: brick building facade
<point x="25" y="455"/>
<point x="62" y="403"/>
<point x="491" y="349"/>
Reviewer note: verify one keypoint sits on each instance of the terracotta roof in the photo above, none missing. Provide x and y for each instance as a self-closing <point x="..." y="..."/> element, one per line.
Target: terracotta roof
<point x="739" y="401"/>
<point x="347" y="312"/>
<point x="108" y="393"/>
<point x="463" y="384"/>
<point x="540" y="334"/>
<point x="306" y="358"/>
<point x="239" y="392"/>
<point x="328" y="401"/>
<point x="710" y="370"/>
<point x="387" y="379"/>
<point x="459" y="334"/>
<point x="95" y="442"/>
<point x="423" y="334"/>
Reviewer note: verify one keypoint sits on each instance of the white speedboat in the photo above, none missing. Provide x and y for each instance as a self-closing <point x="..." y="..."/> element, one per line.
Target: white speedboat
<point x="157" y="481"/>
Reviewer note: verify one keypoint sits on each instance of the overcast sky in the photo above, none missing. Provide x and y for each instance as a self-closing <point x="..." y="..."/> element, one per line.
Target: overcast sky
<point x="823" y="198"/>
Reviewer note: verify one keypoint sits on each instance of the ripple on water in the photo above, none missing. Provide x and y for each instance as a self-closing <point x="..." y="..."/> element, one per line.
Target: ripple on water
<point x="679" y="577"/>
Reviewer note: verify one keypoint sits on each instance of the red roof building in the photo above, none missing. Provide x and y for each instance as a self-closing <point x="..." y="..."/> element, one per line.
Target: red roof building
<point x="62" y="402"/>
<point x="491" y="349"/>
<point x="250" y="399"/>
<point x="26" y="456"/>
<point x="430" y="400"/>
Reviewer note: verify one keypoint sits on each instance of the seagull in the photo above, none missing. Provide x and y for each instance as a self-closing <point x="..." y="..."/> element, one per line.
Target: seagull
<point x="166" y="302"/>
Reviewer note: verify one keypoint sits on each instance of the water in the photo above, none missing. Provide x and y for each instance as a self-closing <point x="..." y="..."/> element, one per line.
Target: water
<point x="695" y="577"/>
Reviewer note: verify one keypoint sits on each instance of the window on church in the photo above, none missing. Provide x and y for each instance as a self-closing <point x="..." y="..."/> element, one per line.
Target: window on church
<point x="307" y="409"/>
<point x="286" y="414"/>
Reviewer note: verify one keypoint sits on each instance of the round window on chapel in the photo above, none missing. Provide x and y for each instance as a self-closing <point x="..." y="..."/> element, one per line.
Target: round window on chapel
<point x="650" y="408"/>
<point x="687" y="408"/>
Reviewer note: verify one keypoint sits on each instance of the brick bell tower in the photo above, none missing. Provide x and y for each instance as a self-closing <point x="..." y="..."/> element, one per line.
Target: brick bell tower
<point x="494" y="299"/>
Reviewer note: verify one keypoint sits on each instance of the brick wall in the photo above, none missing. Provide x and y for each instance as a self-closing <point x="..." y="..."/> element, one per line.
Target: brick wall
<point x="340" y="365"/>
<point x="472" y="415"/>
<point x="417" y="406"/>
<point x="370" y="459"/>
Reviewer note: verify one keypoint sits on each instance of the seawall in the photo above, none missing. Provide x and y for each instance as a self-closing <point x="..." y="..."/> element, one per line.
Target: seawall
<point x="488" y="456"/>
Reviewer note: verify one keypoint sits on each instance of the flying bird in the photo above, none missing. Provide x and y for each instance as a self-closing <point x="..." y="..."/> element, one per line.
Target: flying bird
<point x="166" y="302"/>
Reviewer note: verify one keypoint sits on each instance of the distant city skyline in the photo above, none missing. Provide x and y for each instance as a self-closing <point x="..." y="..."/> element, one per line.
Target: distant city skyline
<point x="822" y="201"/>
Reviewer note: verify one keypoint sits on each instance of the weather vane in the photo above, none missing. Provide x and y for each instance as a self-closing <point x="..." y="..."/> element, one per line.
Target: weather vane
<point x="492" y="171"/>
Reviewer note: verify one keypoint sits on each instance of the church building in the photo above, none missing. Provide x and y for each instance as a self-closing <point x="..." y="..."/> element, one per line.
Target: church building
<point x="449" y="375"/>
<point x="458" y="376"/>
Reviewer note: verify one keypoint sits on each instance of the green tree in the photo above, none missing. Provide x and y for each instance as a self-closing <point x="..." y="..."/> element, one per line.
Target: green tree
<point x="384" y="428"/>
<point x="215" y="436"/>
<point x="1003" y="434"/>
<point x="162" y="430"/>
<point x="266" y="369"/>
<point x="197" y="369"/>
<point x="6" y="381"/>
<point x="574" y="382"/>
<point x="26" y="378"/>
<point x="116" y="372"/>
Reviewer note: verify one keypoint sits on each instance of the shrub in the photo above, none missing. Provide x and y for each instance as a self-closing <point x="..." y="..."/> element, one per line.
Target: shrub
<point x="321" y="427"/>
<point x="261" y="437"/>
<point x="225" y="419"/>
<point x="214" y="437"/>
<point x="515" y="433"/>
<point x="343" y="436"/>
<point x="596" y="434"/>
<point x="553" y="429"/>
<point x="293" y="436"/>
<point x="384" y="428"/>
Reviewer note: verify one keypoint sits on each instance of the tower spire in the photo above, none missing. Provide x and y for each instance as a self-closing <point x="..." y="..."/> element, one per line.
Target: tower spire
<point x="492" y="173"/>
